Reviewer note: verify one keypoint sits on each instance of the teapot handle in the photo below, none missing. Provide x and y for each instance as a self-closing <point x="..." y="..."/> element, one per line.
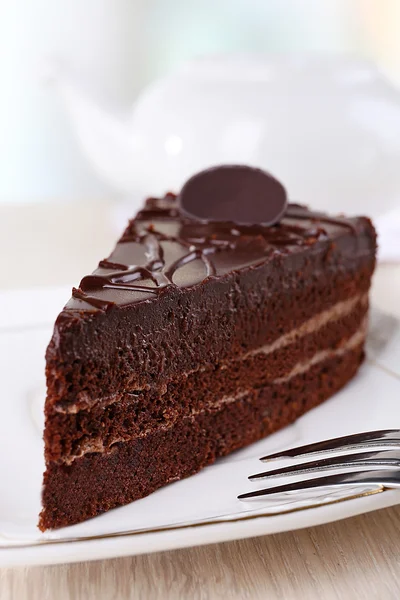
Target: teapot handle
<point x="101" y="131"/>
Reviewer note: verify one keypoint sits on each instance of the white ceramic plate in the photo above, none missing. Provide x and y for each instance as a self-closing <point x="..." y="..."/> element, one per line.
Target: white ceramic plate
<point x="199" y="510"/>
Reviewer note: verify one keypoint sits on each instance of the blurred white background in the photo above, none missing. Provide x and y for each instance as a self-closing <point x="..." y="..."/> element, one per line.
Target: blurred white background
<point x="125" y="44"/>
<point x="54" y="209"/>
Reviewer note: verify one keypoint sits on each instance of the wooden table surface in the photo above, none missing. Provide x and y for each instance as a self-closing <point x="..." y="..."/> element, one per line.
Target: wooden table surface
<point x="358" y="558"/>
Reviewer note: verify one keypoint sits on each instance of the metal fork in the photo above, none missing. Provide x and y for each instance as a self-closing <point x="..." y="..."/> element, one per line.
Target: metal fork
<point x="375" y="455"/>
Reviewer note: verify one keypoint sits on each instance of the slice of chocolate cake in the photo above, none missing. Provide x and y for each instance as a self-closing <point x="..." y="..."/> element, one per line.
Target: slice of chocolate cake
<point x="216" y="320"/>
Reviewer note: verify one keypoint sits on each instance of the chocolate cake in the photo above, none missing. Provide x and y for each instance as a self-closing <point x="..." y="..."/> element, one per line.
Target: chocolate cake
<point x="221" y="316"/>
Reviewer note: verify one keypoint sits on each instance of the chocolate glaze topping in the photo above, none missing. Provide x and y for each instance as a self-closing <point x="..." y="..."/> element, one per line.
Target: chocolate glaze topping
<point x="161" y="249"/>
<point x="164" y="247"/>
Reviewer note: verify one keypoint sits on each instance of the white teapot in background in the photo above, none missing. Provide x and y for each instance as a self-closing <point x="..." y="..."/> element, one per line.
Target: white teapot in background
<point x="328" y="128"/>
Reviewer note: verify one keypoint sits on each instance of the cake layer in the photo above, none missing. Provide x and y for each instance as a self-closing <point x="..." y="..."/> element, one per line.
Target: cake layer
<point x="193" y="339"/>
<point x="97" y="482"/>
<point x="130" y="413"/>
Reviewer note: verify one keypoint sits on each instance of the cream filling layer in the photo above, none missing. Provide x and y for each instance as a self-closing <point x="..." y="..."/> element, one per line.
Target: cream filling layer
<point x="98" y="446"/>
<point x="351" y="343"/>
<point x="332" y="314"/>
<point x="302" y="367"/>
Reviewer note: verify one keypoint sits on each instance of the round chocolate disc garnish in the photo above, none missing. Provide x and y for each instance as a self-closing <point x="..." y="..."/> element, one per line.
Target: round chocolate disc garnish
<point x="235" y="193"/>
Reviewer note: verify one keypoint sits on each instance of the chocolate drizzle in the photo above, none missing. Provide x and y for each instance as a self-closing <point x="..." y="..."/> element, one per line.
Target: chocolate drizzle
<point x="195" y="254"/>
<point x="159" y="245"/>
<point x="92" y="300"/>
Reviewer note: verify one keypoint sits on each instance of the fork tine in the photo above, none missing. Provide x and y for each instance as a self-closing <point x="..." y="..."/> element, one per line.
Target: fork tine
<point x="357" y="441"/>
<point x="389" y="458"/>
<point x="386" y="478"/>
